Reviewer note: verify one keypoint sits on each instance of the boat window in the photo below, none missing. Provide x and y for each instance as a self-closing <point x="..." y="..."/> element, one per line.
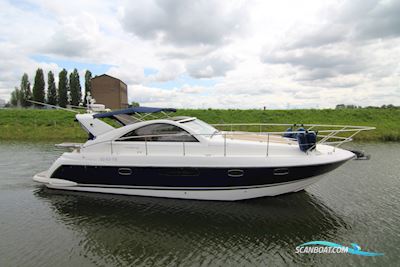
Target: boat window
<point x="166" y="133"/>
<point x="201" y="127"/>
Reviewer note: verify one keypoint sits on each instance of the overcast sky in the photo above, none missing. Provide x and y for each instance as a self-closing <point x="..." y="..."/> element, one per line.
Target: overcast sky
<point x="220" y="54"/>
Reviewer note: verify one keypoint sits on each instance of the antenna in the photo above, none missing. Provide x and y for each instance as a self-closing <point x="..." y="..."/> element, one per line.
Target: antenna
<point x="53" y="106"/>
<point x="91" y="107"/>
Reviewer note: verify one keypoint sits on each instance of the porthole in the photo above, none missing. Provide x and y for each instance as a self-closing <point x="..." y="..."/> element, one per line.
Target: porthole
<point x="281" y="171"/>
<point x="124" y="171"/>
<point x="235" y="173"/>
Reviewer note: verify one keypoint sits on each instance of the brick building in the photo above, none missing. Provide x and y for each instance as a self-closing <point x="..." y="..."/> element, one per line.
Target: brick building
<point x="110" y="91"/>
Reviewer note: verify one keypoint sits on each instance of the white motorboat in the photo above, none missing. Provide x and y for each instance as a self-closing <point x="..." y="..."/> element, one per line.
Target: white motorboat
<point x="184" y="157"/>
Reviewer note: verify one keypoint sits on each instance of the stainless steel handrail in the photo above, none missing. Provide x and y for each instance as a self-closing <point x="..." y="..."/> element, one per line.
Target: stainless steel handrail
<point x="329" y="137"/>
<point x="293" y="124"/>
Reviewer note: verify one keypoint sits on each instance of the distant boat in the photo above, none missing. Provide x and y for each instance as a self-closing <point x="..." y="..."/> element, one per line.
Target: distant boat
<point x="184" y="157"/>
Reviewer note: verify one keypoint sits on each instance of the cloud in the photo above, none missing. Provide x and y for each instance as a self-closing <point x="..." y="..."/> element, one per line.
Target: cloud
<point x="318" y="62"/>
<point x="351" y="21"/>
<point x="380" y="20"/>
<point x="211" y="66"/>
<point x="181" y="98"/>
<point x="169" y="71"/>
<point x="323" y="35"/>
<point x="351" y="38"/>
<point x="75" y="37"/>
<point x="236" y="54"/>
<point x="185" y="23"/>
<point x="322" y="57"/>
<point x="128" y="73"/>
<point x="192" y="89"/>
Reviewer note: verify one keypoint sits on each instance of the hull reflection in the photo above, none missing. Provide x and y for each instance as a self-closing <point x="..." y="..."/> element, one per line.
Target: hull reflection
<point x="141" y="230"/>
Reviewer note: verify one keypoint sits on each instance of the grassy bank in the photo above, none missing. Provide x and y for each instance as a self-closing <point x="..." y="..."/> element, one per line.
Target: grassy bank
<point x="56" y="125"/>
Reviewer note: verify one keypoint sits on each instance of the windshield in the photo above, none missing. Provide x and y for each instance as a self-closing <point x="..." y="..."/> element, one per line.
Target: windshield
<point x="200" y="127"/>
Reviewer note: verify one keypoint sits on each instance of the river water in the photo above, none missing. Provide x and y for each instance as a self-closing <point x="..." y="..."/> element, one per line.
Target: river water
<point x="357" y="203"/>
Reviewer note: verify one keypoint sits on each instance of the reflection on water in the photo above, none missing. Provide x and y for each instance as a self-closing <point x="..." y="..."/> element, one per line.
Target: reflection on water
<point x="357" y="203"/>
<point x="125" y="228"/>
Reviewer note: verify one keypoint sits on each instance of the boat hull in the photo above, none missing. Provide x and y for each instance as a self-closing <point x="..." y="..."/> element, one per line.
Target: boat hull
<point x="186" y="183"/>
<point x="223" y="194"/>
<point x="188" y="177"/>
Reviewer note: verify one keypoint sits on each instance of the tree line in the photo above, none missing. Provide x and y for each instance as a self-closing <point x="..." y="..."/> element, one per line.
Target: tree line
<point x="68" y="91"/>
<point x="343" y="106"/>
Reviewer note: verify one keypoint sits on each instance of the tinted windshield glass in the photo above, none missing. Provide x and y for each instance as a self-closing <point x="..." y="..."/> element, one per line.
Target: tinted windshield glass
<point x="163" y="133"/>
<point x="200" y="127"/>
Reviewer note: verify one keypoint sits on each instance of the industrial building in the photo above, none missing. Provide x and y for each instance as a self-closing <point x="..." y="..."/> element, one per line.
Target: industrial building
<point x="110" y="91"/>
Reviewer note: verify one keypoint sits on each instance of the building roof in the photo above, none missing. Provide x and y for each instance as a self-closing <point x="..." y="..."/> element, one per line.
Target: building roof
<point x="98" y="76"/>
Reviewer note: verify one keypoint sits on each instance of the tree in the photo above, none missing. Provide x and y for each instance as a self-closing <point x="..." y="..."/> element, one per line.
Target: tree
<point x="75" y="88"/>
<point x="25" y="91"/>
<point x="88" y="85"/>
<point x="38" y="87"/>
<point x="340" y="106"/>
<point x="63" y="88"/>
<point x="51" y="89"/>
<point x="135" y="104"/>
<point x="16" y="97"/>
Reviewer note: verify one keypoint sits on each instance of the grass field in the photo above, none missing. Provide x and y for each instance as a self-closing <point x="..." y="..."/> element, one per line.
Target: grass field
<point x="57" y="125"/>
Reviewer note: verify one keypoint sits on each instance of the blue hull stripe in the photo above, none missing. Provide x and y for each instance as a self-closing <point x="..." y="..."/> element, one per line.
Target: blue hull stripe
<point x="176" y="177"/>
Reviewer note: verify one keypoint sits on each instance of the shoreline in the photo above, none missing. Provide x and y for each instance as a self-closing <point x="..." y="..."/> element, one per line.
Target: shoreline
<point x="37" y="125"/>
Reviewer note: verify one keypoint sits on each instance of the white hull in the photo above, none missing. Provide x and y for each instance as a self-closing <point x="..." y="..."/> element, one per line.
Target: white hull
<point x="199" y="194"/>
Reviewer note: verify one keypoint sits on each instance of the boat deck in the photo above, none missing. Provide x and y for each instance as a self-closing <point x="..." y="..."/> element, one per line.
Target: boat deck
<point x="261" y="138"/>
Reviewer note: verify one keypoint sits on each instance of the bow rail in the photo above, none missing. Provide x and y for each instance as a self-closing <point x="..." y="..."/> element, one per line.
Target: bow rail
<point x="334" y="137"/>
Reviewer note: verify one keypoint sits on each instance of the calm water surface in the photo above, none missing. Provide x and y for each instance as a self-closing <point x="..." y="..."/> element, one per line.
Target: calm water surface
<point x="357" y="203"/>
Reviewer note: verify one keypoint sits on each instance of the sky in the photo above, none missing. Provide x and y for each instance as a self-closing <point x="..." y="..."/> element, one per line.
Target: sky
<point x="211" y="53"/>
